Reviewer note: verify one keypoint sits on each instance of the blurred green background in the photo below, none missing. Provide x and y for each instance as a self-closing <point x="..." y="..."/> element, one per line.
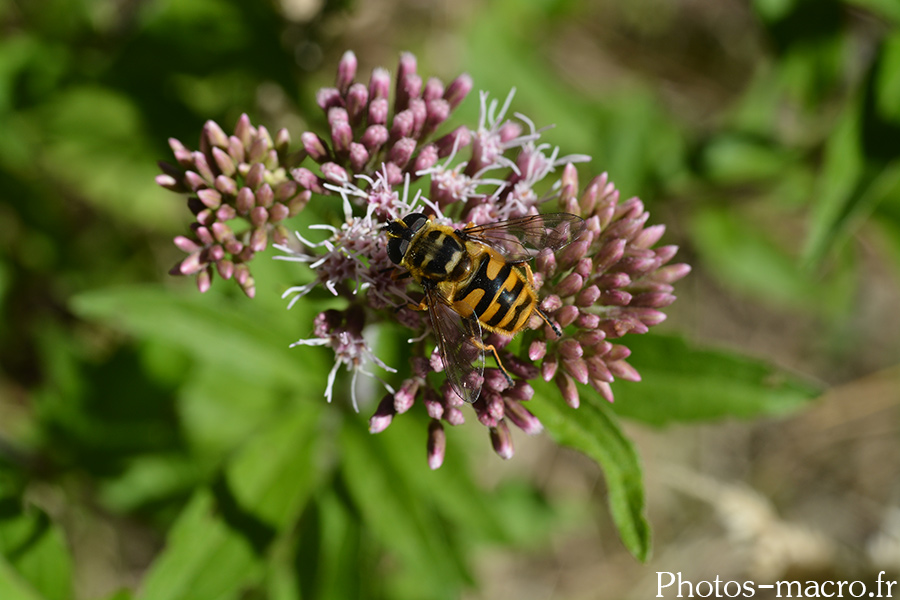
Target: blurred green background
<point x="159" y="444"/>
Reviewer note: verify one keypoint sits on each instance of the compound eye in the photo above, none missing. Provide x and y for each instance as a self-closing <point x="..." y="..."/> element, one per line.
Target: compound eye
<point x="396" y="248"/>
<point x="415" y="221"/>
<point x="395" y="228"/>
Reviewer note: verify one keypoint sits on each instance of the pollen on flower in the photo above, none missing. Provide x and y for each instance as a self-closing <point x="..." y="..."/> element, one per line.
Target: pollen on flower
<point x="383" y="158"/>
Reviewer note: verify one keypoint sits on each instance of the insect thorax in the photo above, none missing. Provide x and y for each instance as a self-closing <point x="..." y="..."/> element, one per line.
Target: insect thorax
<point x="437" y="254"/>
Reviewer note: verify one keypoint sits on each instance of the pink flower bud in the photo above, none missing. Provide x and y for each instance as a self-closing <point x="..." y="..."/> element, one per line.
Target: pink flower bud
<point x="623" y="370"/>
<point x="427" y="158"/>
<point x="170" y="183"/>
<point x="419" y="113"/>
<point x="383" y="416"/>
<point x="214" y="135"/>
<point x="192" y="264"/>
<point x="204" y="280"/>
<point x="456" y="139"/>
<point x="341" y="133"/>
<point x="357" y="101"/>
<point x="611" y="253"/>
<point x="282" y="140"/>
<point x="437" y="444"/>
<point x="587" y="321"/>
<point x="278" y="212"/>
<point x="649" y="236"/>
<point x="570" y="285"/>
<point x="571" y="254"/>
<point x="194" y="181"/>
<point x="402" y="125"/>
<point x="258" y="216"/>
<point x="433" y="405"/>
<point x="221" y="232"/>
<point x="630" y="209"/>
<point x="588" y="296"/>
<point x="243" y="130"/>
<point x="236" y="149"/>
<point x="401" y="152"/>
<point x="265" y="196"/>
<point x="458" y="89"/>
<point x="537" y="350"/>
<point x="598" y="369"/>
<point x="374" y="137"/>
<point x="570" y="349"/>
<point x="346" y="71"/>
<point x="652" y="300"/>
<point x="577" y="368"/>
<point x="551" y="303"/>
<point x="299" y="202"/>
<point x="672" y="273"/>
<point x="522" y="418"/>
<point x="258" y="150"/>
<point x="566" y="315"/>
<point x="335" y="173"/>
<point x="185" y="244"/>
<point x="204" y="235"/>
<point x="215" y="253"/>
<point x="226" y="185"/>
<point x="225" y="268"/>
<point x="501" y="440"/>
<point x="603" y="388"/>
<point x="434" y="89"/>
<point x="568" y="388"/>
<point x="223" y="161"/>
<point x="259" y="239"/>
<point x="453" y="415"/>
<point x="255" y="176"/>
<point x="210" y="198"/>
<point x="379" y="83"/>
<point x="315" y="146"/>
<point x="329" y="98"/>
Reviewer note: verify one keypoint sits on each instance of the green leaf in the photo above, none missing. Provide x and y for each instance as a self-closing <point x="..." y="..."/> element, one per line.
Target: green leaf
<point x="773" y="10"/>
<point x="752" y="261"/>
<point x="36" y="549"/>
<point x="94" y="144"/>
<point x="236" y="336"/>
<point x="681" y="382"/>
<point x="394" y="513"/>
<point x="13" y="586"/>
<point x="838" y="186"/>
<point x="219" y="543"/>
<point x="594" y="429"/>
<point x="204" y="558"/>
<point x="735" y="158"/>
<point x="331" y="542"/>
<point x="273" y="475"/>
<point x="888" y="80"/>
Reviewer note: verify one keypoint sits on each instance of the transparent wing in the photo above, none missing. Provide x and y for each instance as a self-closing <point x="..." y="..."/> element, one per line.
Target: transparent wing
<point x="522" y="238"/>
<point x="458" y="340"/>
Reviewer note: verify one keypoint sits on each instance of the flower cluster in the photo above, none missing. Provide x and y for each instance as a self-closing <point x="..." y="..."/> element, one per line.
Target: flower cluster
<point x="241" y="178"/>
<point x="386" y="159"/>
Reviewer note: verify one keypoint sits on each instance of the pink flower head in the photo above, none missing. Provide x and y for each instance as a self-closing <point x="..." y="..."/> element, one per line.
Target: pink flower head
<point x="387" y="152"/>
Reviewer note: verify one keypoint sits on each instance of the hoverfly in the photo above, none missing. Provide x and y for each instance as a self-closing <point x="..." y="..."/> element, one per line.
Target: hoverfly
<point x="476" y="278"/>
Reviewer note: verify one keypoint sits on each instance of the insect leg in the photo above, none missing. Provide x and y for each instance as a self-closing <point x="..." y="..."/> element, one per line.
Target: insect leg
<point x="421" y="306"/>
<point x="490" y="348"/>
<point x="395" y="274"/>
<point x="548" y="321"/>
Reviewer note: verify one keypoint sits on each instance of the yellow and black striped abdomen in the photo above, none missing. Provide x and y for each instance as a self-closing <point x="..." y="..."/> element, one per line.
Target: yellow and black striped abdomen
<point x="497" y="294"/>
